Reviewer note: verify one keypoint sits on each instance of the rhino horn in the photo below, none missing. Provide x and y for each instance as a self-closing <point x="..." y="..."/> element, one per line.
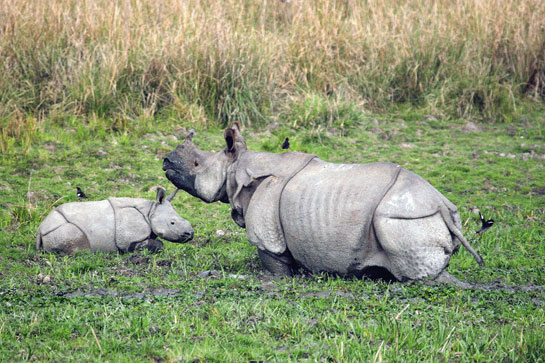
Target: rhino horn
<point x="171" y="196"/>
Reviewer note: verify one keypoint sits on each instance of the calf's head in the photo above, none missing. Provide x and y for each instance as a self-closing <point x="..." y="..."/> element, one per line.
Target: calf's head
<point x="166" y="223"/>
<point x="203" y="174"/>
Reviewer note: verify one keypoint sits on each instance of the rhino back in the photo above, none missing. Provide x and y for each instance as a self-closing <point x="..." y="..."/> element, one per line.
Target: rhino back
<point x="413" y="197"/>
<point x="326" y="212"/>
<point x="95" y="220"/>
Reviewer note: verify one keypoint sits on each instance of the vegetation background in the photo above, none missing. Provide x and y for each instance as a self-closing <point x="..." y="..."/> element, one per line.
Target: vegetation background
<point x="94" y="93"/>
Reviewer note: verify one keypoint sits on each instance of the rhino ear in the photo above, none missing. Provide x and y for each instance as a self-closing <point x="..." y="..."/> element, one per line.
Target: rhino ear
<point x="230" y="139"/>
<point x="233" y="138"/>
<point x="160" y="195"/>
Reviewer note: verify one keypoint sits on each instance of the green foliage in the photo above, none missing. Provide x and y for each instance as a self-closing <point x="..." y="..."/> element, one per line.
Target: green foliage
<point x="142" y="306"/>
<point x="219" y="61"/>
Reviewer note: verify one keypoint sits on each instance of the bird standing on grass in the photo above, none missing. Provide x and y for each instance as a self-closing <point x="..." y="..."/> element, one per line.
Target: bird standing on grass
<point x="286" y="144"/>
<point x="80" y="193"/>
<point x="486" y="224"/>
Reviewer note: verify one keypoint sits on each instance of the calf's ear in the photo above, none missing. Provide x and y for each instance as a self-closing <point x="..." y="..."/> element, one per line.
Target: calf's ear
<point x="160" y="195"/>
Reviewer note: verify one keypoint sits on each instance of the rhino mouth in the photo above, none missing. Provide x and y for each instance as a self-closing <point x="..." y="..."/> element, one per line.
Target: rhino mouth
<point x="182" y="179"/>
<point x="185" y="180"/>
<point x="171" y="175"/>
<point x="186" y="237"/>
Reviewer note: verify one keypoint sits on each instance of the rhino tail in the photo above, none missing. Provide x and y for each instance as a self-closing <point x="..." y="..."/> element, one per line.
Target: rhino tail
<point x="454" y="230"/>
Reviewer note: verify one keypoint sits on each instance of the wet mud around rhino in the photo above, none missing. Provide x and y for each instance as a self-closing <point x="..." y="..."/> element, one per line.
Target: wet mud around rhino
<point x="264" y="284"/>
<point x="272" y="287"/>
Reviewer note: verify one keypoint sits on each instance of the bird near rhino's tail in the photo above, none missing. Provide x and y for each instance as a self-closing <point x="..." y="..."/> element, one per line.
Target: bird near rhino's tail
<point x="454" y="230"/>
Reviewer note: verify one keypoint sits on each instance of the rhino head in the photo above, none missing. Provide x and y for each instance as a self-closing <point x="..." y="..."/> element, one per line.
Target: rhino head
<point x="166" y="223"/>
<point x="203" y="174"/>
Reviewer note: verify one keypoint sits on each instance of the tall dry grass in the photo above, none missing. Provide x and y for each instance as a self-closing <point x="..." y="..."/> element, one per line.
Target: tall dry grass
<point x="219" y="60"/>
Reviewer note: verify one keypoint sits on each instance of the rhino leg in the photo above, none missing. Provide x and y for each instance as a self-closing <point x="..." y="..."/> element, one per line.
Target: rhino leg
<point x="151" y="244"/>
<point x="416" y="248"/>
<point x="282" y="265"/>
<point x="445" y="278"/>
<point x="67" y="238"/>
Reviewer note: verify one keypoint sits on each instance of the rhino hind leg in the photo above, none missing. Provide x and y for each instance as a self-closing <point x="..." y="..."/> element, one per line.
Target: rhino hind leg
<point x="281" y="265"/>
<point x="67" y="238"/>
<point x="416" y="248"/>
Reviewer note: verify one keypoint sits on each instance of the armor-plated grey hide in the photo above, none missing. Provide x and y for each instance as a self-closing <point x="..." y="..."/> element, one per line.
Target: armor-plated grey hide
<point x="115" y="224"/>
<point x="341" y="218"/>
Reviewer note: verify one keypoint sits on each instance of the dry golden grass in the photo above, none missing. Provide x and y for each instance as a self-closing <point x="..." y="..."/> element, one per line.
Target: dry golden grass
<point x="218" y="60"/>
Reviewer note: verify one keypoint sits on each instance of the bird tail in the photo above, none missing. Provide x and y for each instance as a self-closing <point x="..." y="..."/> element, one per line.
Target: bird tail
<point x="454" y="230"/>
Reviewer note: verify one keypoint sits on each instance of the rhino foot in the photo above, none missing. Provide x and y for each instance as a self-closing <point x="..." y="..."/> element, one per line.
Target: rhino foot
<point x="153" y="245"/>
<point x="445" y="278"/>
<point x="283" y="265"/>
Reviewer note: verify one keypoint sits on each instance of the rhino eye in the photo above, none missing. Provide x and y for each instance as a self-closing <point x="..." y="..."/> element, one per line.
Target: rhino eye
<point x="196" y="163"/>
<point x="172" y="222"/>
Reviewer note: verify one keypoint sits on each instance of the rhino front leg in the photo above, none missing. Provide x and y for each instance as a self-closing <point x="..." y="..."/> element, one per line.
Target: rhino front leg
<point x="151" y="244"/>
<point x="282" y="265"/>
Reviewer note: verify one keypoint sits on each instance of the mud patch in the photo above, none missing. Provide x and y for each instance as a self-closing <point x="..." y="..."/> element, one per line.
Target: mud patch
<point x="496" y="286"/>
<point x="326" y="293"/>
<point x="164" y="263"/>
<point x="139" y="260"/>
<point x="471" y="127"/>
<point x="105" y="292"/>
<point x="208" y="273"/>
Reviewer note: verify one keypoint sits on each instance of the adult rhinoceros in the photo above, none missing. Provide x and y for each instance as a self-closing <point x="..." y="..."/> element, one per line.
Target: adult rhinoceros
<point x="348" y="219"/>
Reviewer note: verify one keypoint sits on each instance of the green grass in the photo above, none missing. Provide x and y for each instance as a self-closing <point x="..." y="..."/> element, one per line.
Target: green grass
<point x="142" y="307"/>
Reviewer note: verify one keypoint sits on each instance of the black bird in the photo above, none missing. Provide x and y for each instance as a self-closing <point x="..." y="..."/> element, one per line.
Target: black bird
<point x="286" y="144"/>
<point x="486" y="224"/>
<point x="80" y="193"/>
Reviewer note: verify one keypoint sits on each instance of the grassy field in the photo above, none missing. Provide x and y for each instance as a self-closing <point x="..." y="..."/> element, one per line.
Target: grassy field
<point x="210" y="300"/>
<point x="95" y="93"/>
<point x="215" y="61"/>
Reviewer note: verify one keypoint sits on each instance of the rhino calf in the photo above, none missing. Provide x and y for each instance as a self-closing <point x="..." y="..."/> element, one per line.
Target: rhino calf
<point x="115" y="224"/>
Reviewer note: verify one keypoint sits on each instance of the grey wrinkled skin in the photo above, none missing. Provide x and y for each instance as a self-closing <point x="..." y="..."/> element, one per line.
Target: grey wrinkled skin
<point x="348" y="219"/>
<point x="116" y="224"/>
